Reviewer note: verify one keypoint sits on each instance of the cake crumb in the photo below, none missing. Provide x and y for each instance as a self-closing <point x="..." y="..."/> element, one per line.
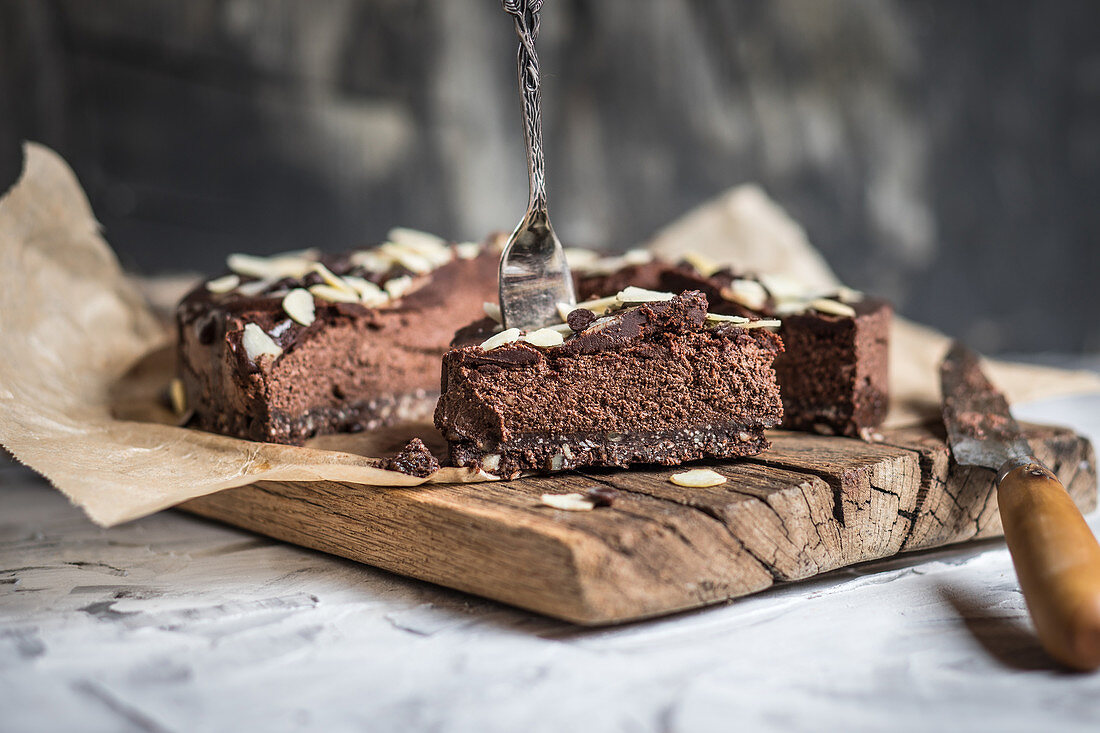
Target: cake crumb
<point x="414" y="459"/>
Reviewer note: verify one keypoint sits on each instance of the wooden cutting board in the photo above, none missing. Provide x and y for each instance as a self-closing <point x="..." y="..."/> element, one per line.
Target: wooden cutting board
<point x="809" y="505"/>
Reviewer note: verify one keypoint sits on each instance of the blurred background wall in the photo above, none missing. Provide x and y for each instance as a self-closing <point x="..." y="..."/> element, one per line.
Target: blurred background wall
<point x="943" y="153"/>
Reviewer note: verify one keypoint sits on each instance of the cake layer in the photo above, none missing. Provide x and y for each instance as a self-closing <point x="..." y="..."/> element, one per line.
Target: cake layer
<point x="650" y="375"/>
<point x="833" y="374"/>
<point x="290" y="347"/>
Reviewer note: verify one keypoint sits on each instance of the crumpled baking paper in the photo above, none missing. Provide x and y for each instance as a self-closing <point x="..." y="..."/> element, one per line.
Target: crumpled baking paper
<point x="84" y="360"/>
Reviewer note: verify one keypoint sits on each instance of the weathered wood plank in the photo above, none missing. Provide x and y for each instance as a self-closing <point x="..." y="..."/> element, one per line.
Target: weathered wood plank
<point x="808" y="505"/>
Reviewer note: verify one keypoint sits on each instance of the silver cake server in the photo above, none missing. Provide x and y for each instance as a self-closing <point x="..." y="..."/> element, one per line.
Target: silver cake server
<point x="534" y="276"/>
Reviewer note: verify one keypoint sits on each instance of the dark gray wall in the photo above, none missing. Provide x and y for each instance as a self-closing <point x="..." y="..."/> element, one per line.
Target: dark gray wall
<point x="945" y="153"/>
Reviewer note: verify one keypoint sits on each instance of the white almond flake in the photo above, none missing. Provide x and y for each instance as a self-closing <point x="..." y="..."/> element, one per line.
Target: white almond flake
<point x="703" y="265"/>
<point x="599" y="305"/>
<point x="600" y="324"/>
<point x="784" y="287"/>
<point x="178" y="395"/>
<point x="579" y="258"/>
<point x="832" y="307"/>
<point x="544" y="337"/>
<point x="790" y="307"/>
<point x="562" y="328"/>
<point x="698" y="478"/>
<point x="298" y="304"/>
<point x="429" y="246"/>
<point x="467" y="250"/>
<point x="332" y="279"/>
<point x="763" y="323"/>
<point x="371" y="260"/>
<point x="334" y="295"/>
<point x="269" y="268"/>
<point x="848" y="295"/>
<point x="493" y="311"/>
<point x="398" y="286"/>
<point x="637" y="257"/>
<point x="719" y="318"/>
<point x="407" y="258"/>
<point x="567" y="502"/>
<point x="257" y="343"/>
<point x="370" y="294"/>
<point x="504" y="337"/>
<point x="631" y="294"/>
<point x="310" y="253"/>
<point x="223" y="284"/>
<point x="748" y="293"/>
<point x="255" y="287"/>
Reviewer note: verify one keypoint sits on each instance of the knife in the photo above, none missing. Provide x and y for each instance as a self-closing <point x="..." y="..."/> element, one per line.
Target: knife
<point x="1056" y="556"/>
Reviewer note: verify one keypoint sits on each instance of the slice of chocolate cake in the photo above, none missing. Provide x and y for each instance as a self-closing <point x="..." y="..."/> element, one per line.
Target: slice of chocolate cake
<point x="287" y="347"/>
<point x="641" y="377"/>
<point x="833" y="373"/>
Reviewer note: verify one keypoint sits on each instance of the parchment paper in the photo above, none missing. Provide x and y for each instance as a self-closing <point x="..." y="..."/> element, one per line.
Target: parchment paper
<point x="83" y="359"/>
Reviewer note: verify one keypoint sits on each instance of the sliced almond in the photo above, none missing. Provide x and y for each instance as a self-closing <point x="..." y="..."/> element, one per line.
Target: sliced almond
<point x="578" y="258"/>
<point x="398" y="286"/>
<point x="429" y="246"/>
<point x="504" y="337"/>
<point x="790" y="307"/>
<point x="567" y="502"/>
<point x="334" y="295"/>
<point x="298" y="304"/>
<point x="254" y="287"/>
<point x="269" y="268"/>
<point x="493" y="311"/>
<point x="545" y="337"/>
<point x="332" y="279"/>
<point x="467" y="250"/>
<point x="257" y="343"/>
<point x="562" y="328"/>
<point x="370" y="294"/>
<point x="637" y="257"/>
<point x="698" y="478"/>
<point x="223" y="284"/>
<point x="763" y="323"/>
<point x="703" y="265"/>
<point x="720" y="318"/>
<point x="848" y="295"/>
<point x="372" y="260"/>
<point x="407" y="258"/>
<point x="832" y="307"/>
<point x="178" y="395"/>
<point x="597" y="306"/>
<point x="784" y="287"/>
<point x="748" y="293"/>
<point x="631" y="294"/>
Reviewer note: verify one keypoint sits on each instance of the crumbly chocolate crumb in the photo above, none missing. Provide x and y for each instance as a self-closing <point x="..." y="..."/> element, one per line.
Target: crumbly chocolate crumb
<point x="414" y="459"/>
<point x="580" y="319"/>
<point x="601" y="495"/>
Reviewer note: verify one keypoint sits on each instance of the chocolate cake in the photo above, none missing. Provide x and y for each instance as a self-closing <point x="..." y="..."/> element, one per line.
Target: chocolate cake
<point x="288" y="347"/>
<point x="641" y="377"/>
<point x="833" y="371"/>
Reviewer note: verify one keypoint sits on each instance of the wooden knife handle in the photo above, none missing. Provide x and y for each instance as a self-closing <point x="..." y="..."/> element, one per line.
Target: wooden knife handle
<point x="1057" y="561"/>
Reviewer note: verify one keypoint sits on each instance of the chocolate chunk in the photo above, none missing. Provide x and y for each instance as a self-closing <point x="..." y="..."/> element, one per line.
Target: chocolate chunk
<point x="414" y="459"/>
<point x="580" y="319"/>
<point x="601" y="495"/>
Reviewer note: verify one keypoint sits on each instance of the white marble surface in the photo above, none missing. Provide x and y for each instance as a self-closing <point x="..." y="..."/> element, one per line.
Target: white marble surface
<point x="177" y="624"/>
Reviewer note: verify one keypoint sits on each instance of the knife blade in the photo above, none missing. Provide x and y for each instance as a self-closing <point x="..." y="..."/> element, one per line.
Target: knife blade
<point x="1056" y="556"/>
